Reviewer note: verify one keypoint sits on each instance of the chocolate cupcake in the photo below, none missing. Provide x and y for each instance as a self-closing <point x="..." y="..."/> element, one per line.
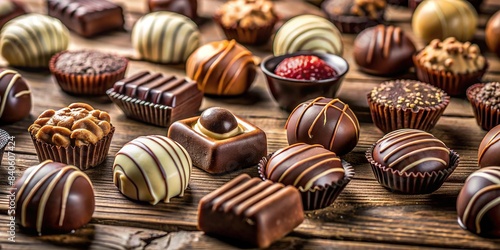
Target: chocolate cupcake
<point x="353" y="16"/>
<point x="87" y="72"/>
<point x="247" y="21"/>
<point x="485" y="100"/>
<point x="77" y="135"/>
<point x="406" y="104"/>
<point x="319" y="174"/>
<point x="450" y="65"/>
<point x="411" y="161"/>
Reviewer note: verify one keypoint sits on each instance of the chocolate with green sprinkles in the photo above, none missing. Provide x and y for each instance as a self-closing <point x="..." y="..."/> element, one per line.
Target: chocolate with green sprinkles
<point x="407" y="94"/>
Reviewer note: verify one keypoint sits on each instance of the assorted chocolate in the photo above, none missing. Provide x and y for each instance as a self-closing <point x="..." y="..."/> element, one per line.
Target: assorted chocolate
<point x="156" y="98"/>
<point x="208" y="139"/>
<point x="15" y="97"/>
<point x="251" y="211"/>
<point x="87" y="17"/>
<point x="53" y="197"/>
<point x="152" y="168"/>
<point x="187" y="8"/>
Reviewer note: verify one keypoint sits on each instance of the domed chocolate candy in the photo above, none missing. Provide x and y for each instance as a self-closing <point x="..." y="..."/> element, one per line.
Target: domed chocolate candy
<point x="489" y="149"/>
<point x="53" y="197"/>
<point x="325" y="121"/>
<point x="15" y="102"/>
<point x="218" y="123"/>
<point x="308" y="33"/>
<point x="478" y="203"/>
<point x="152" y="168"/>
<point x="412" y="151"/>
<point x="165" y="37"/>
<point x="383" y="50"/>
<point x="493" y="33"/>
<point x="32" y="39"/>
<point x="444" y="18"/>
<point x="222" y="68"/>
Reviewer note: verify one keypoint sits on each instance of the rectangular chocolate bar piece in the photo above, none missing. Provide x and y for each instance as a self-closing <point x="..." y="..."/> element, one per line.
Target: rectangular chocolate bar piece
<point x="156" y="98"/>
<point x="251" y="210"/>
<point x="87" y="17"/>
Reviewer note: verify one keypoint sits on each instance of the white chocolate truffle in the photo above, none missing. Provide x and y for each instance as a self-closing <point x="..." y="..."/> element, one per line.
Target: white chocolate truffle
<point x="32" y="39"/>
<point x="165" y="37"/>
<point x="152" y="168"/>
<point x="308" y="33"/>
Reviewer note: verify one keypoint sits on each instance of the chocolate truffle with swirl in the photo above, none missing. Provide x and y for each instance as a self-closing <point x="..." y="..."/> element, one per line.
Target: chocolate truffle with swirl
<point x="222" y="68"/>
<point x="383" y="50"/>
<point x="478" y="203"/>
<point x="53" y="197"/>
<point x="219" y="141"/>
<point x="15" y="102"/>
<point x="325" y="121"/>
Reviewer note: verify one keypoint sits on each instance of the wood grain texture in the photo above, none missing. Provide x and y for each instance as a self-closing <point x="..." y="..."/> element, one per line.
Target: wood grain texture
<point x="365" y="215"/>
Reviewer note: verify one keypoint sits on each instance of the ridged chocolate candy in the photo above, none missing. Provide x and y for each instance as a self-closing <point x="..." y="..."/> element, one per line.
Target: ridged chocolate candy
<point x="15" y="102"/>
<point x="383" y="50"/>
<point x="53" y="197"/>
<point x="412" y="151"/>
<point x="165" y="37"/>
<point x="489" y="149"/>
<point x="325" y="121"/>
<point x="152" y="168"/>
<point x="478" y="203"/>
<point x="222" y="68"/>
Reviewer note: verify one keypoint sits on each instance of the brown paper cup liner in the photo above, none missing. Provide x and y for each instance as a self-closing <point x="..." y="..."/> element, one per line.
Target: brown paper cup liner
<point x="156" y="114"/>
<point x="389" y="118"/>
<point x="78" y="84"/>
<point x="84" y="157"/>
<point x="317" y="197"/>
<point x="355" y="24"/>
<point x="411" y="183"/>
<point x="453" y="84"/>
<point x="487" y="117"/>
<point x="250" y="36"/>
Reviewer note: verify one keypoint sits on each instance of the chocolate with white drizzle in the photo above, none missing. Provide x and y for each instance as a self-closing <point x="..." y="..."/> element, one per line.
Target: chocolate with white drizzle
<point x="478" y="203"/>
<point x="53" y="197"/>
<point x="15" y="102"/>
<point x="487" y="154"/>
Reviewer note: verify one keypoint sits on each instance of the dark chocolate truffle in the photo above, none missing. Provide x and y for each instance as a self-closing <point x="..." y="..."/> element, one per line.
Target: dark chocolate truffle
<point x="478" y="203"/>
<point x="223" y="68"/>
<point x="53" y="197"/>
<point x="411" y="151"/>
<point x="218" y="120"/>
<point x="15" y="102"/>
<point x="493" y="33"/>
<point x="383" y="50"/>
<point x="325" y="121"/>
<point x="185" y="7"/>
<point x="489" y="149"/>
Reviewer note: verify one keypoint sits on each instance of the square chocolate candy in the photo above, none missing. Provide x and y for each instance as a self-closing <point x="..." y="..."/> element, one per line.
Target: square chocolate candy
<point x="87" y="17"/>
<point x="250" y="210"/>
<point x="244" y="146"/>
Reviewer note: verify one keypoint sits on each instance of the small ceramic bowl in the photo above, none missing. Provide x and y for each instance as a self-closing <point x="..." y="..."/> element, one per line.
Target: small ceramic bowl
<point x="291" y="92"/>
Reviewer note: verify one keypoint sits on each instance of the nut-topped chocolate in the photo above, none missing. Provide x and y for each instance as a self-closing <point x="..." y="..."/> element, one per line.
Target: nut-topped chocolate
<point x="223" y="68"/>
<point x="15" y="102"/>
<point x="325" y="121"/>
<point x="383" y="50"/>
<point x="478" y="203"/>
<point x="53" y="197"/>
<point x="411" y="151"/>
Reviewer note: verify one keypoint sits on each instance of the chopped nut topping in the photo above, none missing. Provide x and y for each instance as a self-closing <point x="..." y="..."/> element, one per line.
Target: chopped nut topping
<point x="247" y="13"/>
<point x="490" y="94"/>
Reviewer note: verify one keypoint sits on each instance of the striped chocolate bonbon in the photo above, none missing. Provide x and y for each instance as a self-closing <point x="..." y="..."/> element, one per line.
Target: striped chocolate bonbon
<point x="15" y="102"/>
<point x="487" y="154"/>
<point x="152" y="168"/>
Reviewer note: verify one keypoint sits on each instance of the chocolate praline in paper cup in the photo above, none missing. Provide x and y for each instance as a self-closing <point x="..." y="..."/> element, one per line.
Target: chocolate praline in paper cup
<point x="316" y="197"/>
<point x="83" y="157"/>
<point x="486" y="116"/>
<point x="411" y="183"/>
<point x="250" y="36"/>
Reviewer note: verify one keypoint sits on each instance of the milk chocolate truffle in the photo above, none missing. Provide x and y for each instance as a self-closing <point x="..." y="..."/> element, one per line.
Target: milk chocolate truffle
<point x="187" y="8"/>
<point x="383" y="50"/>
<point x="165" y="37"/>
<point x="308" y="33"/>
<point x="223" y="68"/>
<point x="53" y="197"/>
<point x="22" y="48"/>
<point x="489" y="149"/>
<point x="493" y="33"/>
<point x="440" y="19"/>
<point x="15" y="102"/>
<point x="152" y="168"/>
<point x="325" y="121"/>
<point x="8" y="10"/>
<point x="478" y="203"/>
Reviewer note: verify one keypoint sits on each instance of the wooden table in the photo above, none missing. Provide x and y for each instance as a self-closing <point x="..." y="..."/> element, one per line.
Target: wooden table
<point x="365" y="215"/>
